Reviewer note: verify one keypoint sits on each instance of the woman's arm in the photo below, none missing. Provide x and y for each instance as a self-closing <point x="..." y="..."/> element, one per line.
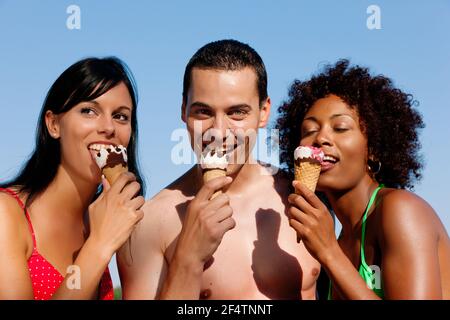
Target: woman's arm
<point x="409" y="239"/>
<point x="313" y="223"/>
<point x="345" y="278"/>
<point x="15" y="280"/>
<point x="112" y="218"/>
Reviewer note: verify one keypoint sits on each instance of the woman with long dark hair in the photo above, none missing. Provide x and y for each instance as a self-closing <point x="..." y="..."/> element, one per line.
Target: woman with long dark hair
<point x="60" y="221"/>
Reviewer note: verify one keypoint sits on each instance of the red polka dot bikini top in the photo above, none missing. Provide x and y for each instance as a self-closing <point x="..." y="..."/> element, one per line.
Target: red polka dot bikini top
<point x="44" y="276"/>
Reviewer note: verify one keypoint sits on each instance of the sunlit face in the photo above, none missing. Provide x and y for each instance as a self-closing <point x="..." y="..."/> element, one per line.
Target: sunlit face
<point x="334" y="127"/>
<point x="224" y="105"/>
<point x="105" y="120"/>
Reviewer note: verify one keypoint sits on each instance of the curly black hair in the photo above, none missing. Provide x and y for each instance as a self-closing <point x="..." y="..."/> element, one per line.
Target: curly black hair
<point x="387" y="118"/>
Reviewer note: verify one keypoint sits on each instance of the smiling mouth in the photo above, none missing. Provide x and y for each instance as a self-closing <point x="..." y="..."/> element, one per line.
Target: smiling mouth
<point x="328" y="162"/>
<point x="330" y="159"/>
<point x="220" y="151"/>
<point x="98" y="146"/>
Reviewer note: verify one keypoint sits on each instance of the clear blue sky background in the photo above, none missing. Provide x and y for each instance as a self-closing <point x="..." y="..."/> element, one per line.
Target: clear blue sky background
<point x="157" y="38"/>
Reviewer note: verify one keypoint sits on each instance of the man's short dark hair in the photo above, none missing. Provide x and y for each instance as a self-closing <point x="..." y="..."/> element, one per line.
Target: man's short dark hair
<point x="227" y="55"/>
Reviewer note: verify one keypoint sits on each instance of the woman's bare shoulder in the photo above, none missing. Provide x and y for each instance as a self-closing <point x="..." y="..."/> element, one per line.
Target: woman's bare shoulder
<point x="13" y="223"/>
<point x="405" y="214"/>
<point x="400" y="202"/>
<point x="9" y="206"/>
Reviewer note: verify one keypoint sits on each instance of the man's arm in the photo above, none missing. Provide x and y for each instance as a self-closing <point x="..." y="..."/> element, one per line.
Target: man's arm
<point x="141" y="263"/>
<point x="204" y="226"/>
<point x="146" y="275"/>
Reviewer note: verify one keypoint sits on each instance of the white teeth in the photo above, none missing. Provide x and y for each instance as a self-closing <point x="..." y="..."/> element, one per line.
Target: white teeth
<point x="329" y="158"/>
<point x="98" y="147"/>
<point x="224" y="150"/>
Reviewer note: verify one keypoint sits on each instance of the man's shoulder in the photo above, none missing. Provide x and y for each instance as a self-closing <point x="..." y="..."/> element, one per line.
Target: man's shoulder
<point x="161" y="214"/>
<point x="280" y="177"/>
<point x="168" y="201"/>
<point x="279" y="174"/>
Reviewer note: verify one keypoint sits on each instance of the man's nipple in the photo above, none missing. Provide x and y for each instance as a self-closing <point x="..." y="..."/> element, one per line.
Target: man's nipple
<point x="205" y="294"/>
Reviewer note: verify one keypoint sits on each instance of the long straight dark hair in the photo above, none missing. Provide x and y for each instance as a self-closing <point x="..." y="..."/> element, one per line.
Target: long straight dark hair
<point x="83" y="81"/>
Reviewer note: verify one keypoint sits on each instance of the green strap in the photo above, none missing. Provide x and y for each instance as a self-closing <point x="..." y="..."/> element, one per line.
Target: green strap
<point x="363" y="227"/>
<point x="363" y="236"/>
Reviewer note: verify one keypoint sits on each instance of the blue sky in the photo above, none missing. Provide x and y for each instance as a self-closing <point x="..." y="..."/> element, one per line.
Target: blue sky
<point x="157" y="38"/>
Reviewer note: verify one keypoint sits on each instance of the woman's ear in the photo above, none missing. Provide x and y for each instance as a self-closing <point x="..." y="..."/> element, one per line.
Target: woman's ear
<point x="264" y="113"/>
<point x="183" y="111"/>
<point x="52" y="122"/>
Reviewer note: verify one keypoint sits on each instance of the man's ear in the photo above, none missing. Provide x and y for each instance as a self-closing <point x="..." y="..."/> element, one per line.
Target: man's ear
<point x="183" y="112"/>
<point x="264" y="113"/>
<point x="52" y="123"/>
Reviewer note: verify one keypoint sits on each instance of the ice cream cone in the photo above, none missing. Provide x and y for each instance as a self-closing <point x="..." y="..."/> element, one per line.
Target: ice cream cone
<point x="214" y="166"/>
<point x="210" y="174"/>
<point x="112" y="161"/>
<point x="307" y="172"/>
<point x="112" y="173"/>
<point x="307" y="165"/>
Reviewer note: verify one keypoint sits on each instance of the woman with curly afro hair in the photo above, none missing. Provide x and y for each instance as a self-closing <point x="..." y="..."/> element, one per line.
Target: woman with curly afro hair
<point x="392" y="244"/>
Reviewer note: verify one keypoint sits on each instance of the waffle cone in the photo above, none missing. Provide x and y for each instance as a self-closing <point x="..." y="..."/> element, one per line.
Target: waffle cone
<point x="308" y="174"/>
<point x="111" y="174"/>
<point x="211" y="174"/>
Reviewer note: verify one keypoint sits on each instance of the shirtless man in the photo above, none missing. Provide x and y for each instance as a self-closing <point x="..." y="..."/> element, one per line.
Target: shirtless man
<point x="238" y="245"/>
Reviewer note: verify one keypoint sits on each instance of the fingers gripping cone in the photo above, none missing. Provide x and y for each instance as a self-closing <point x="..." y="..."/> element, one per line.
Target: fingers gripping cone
<point x="212" y="174"/>
<point x="111" y="174"/>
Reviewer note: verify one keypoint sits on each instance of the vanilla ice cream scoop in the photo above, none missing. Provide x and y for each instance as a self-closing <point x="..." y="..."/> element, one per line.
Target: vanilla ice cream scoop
<point x="212" y="160"/>
<point x="112" y="160"/>
<point x="110" y="156"/>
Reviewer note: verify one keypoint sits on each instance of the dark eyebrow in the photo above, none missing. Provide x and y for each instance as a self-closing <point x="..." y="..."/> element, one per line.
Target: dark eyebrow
<point x="340" y="115"/>
<point x="118" y="108"/>
<point x="239" y="106"/>
<point x="199" y="105"/>
<point x="205" y="105"/>
<point x="312" y="118"/>
<point x="91" y="101"/>
<point x="124" y="107"/>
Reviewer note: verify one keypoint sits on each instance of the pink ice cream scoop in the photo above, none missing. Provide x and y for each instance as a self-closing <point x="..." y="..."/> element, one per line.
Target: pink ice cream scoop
<point x="309" y="153"/>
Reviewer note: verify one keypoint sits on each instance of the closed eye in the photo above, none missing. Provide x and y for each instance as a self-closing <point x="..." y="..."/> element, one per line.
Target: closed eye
<point x="308" y="133"/>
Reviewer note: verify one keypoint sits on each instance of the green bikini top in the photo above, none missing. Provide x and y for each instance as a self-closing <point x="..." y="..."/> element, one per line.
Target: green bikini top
<point x="372" y="277"/>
